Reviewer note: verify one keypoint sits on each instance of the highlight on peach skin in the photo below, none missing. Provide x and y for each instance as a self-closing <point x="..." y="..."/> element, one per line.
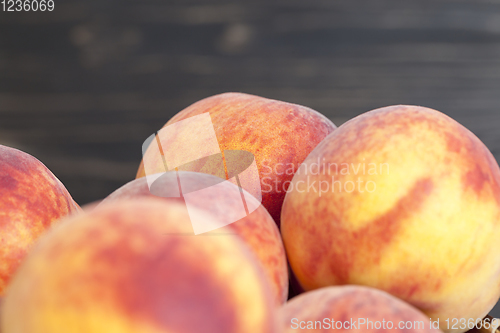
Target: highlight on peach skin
<point x="31" y="200"/>
<point x="426" y="230"/>
<point x="273" y="131"/>
<point x="257" y="229"/>
<point x="135" y="266"/>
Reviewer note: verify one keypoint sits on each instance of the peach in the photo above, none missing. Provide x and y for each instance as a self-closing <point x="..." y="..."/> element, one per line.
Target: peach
<point x="280" y="135"/>
<point x="404" y="199"/>
<point x="135" y="266"/>
<point x="352" y="309"/>
<point x="256" y="229"/>
<point x="31" y="200"/>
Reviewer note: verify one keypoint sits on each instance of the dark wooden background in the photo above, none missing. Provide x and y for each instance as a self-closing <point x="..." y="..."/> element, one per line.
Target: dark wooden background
<point x="83" y="86"/>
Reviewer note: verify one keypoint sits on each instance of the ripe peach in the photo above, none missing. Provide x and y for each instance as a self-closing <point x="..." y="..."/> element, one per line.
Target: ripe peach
<point x="135" y="266"/>
<point x="256" y="229"/>
<point x="31" y="200"/>
<point x="404" y="199"/>
<point x="280" y="135"/>
<point x="352" y="309"/>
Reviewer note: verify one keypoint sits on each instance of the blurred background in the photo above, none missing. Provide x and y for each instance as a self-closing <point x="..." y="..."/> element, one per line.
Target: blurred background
<point x="83" y="86"/>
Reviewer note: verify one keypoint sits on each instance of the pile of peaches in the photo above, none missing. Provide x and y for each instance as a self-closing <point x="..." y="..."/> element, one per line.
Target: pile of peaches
<point x="390" y="222"/>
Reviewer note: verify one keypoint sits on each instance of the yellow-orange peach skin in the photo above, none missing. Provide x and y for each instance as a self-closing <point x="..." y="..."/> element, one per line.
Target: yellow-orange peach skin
<point x="257" y="229"/>
<point x="352" y="309"/>
<point x="136" y="266"/>
<point x="280" y="135"/>
<point x="31" y="200"/>
<point x="426" y="227"/>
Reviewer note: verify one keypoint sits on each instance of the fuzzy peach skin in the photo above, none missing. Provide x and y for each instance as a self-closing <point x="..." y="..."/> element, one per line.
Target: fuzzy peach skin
<point x="352" y="309"/>
<point x="416" y="212"/>
<point x="257" y="229"/>
<point x="136" y="266"/>
<point x="31" y="200"/>
<point x="280" y="135"/>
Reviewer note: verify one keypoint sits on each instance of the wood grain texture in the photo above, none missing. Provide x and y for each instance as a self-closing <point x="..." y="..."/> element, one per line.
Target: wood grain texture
<point x="83" y="86"/>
